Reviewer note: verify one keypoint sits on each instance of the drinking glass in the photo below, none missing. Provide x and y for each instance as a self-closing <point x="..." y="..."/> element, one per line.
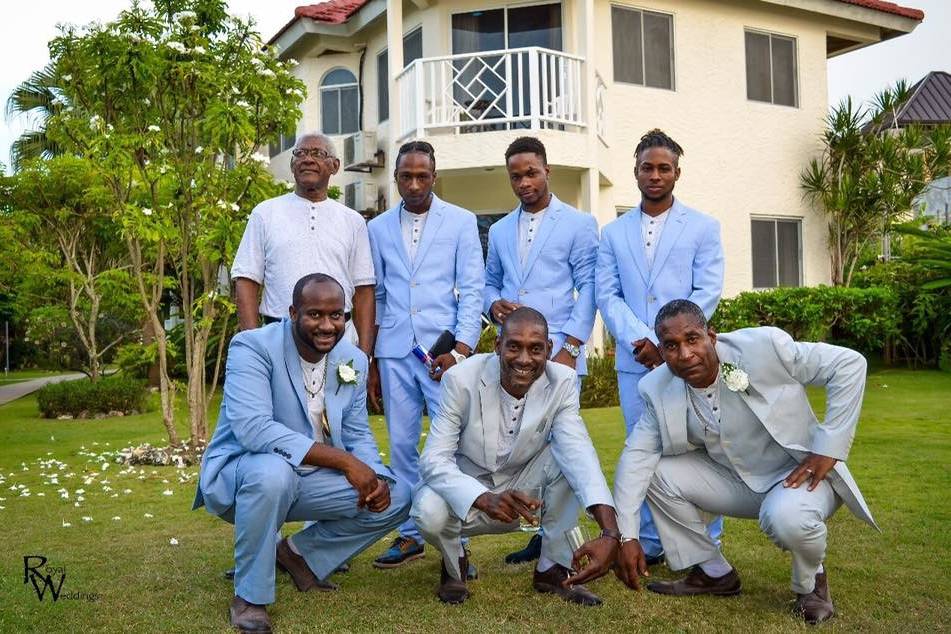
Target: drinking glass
<point x="532" y="526"/>
<point x="577" y="537"/>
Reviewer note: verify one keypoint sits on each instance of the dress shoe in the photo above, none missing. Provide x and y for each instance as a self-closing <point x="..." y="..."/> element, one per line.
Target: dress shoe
<point x="699" y="582"/>
<point x="531" y="552"/>
<point x="229" y="573"/>
<point x="653" y="560"/>
<point x="294" y="565"/>
<point x="550" y="582"/>
<point x="402" y="551"/>
<point x="452" y="590"/>
<point x="816" y="606"/>
<point x="249" y="617"/>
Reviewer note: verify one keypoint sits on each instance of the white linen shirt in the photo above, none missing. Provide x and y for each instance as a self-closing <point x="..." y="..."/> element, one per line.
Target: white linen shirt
<point x="651" y="227"/>
<point x="528" y="225"/>
<point x="412" y="227"/>
<point x="288" y="237"/>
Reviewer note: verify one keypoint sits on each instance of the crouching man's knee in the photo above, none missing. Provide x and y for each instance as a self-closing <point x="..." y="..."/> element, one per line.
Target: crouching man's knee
<point x="430" y="512"/>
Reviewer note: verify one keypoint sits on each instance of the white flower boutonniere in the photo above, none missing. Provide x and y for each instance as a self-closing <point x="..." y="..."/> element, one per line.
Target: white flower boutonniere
<point x="734" y="377"/>
<point x="346" y="375"/>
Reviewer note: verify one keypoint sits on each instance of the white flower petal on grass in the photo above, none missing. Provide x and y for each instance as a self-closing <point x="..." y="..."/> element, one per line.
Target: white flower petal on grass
<point x="146" y="211"/>
<point x="173" y="542"/>
<point x="127" y="491"/>
<point x="66" y="524"/>
<point x="149" y="516"/>
<point x="164" y="481"/>
<point x="116" y="518"/>
<point x="87" y="519"/>
<point x="168" y="492"/>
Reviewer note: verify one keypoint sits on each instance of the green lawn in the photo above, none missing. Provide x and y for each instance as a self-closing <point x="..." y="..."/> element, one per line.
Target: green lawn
<point x="889" y="581"/>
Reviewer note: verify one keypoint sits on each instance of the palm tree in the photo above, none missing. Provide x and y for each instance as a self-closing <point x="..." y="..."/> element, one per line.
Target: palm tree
<point x="37" y="98"/>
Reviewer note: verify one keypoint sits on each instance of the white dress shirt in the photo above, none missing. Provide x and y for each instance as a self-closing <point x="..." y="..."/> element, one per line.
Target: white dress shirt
<point x="289" y="237"/>
<point x="528" y="225"/>
<point x="412" y="227"/>
<point x="315" y="378"/>
<point x="651" y="227"/>
<point x="512" y="410"/>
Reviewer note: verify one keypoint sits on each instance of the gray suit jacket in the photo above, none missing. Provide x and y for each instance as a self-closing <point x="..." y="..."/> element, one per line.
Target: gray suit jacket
<point x="458" y="461"/>
<point x="778" y="368"/>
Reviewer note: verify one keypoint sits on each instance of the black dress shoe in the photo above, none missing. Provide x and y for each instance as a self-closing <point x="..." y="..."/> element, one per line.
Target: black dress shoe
<point x="816" y="607"/>
<point x="249" y="617"/>
<point x="452" y="590"/>
<point x="294" y="565"/>
<point x="531" y="552"/>
<point x="550" y="582"/>
<point x="653" y="560"/>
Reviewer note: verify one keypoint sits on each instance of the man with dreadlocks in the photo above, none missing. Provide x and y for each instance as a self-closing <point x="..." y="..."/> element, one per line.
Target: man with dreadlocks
<point x="659" y="251"/>
<point x="424" y="251"/>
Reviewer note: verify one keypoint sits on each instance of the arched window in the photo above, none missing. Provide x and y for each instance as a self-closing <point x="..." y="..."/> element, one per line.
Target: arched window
<point x="339" y="102"/>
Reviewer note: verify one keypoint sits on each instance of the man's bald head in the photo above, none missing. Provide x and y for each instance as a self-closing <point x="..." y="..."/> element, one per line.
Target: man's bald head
<point x="524" y="316"/>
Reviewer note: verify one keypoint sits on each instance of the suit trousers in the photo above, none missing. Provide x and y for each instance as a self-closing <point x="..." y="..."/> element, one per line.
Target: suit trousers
<point x="444" y="530"/>
<point x="632" y="406"/>
<point x="406" y="389"/>
<point x="687" y="486"/>
<point x="269" y="492"/>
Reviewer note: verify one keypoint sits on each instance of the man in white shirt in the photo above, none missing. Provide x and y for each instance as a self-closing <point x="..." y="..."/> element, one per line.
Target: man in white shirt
<point x="305" y="232"/>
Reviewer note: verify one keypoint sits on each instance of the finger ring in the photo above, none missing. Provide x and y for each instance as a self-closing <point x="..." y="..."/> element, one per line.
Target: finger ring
<point x="810" y="471"/>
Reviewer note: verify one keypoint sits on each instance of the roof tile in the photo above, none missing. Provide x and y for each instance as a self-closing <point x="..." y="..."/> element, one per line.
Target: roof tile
<point x="333" y="11"/>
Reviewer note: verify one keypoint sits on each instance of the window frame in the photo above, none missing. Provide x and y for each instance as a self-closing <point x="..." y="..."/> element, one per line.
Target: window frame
<point x="772" y="79"/>
<point x="775" y="220"/>
<point x="383" y="79"/>
<point x="338" y="89"/>
<point x="672" y="51"/>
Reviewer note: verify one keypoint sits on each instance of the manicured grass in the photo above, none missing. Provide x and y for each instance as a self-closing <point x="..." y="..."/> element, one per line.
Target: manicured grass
<point x="889" y="581"/>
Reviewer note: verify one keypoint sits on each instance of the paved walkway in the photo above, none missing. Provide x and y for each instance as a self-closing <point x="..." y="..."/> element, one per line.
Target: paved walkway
<point x="13" y="391"/>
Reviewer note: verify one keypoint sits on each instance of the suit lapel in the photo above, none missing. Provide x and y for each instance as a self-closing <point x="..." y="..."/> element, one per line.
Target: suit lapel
<point x="490" y="410"/>
<point x="396" y="235"/>
<point x="549" y="223"/>
<point x="511" y="244"/>
<point x="754" y="399"/>
<point x="433" y="222"/>
<point x="634" y="241"/>
<point x="336" y="396"/>
<point x="533" y="417"/>
<point x="675" y="414"/>
<point x="292" y="364"/>
<point x="672" y="229"/>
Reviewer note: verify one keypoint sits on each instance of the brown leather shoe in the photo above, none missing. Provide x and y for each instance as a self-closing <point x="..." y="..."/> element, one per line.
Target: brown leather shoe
<point x="249" y="617"/>
<point x="452" y="590"/>
<point x="816" y="607"/>
<point x="550" y="582"/>
<point x="294" y="565"/>
<point x="699" y="582"/>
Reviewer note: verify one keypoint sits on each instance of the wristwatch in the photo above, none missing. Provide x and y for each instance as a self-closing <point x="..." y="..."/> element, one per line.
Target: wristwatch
<point x="611" y="534"/>
<point x="573" y="350"/>
<point x="458" y="356"/>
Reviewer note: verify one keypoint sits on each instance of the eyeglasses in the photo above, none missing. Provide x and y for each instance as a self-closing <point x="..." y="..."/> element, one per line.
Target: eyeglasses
<point x="318" y="153"/>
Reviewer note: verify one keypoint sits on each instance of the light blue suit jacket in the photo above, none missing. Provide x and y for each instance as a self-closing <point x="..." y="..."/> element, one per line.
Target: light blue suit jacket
<point x="560" y="262"/>
<point x="418" y="301"/>
<point x="688" y="264"/>
<point x="265" y="410"/>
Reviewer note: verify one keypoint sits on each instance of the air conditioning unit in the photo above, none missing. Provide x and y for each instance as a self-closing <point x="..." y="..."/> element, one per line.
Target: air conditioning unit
<point x="360" y="153"/>
<point x="361" y="196"/>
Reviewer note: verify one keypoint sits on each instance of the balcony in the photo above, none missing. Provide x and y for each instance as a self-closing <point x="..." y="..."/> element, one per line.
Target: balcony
<point x="522" y="88"/>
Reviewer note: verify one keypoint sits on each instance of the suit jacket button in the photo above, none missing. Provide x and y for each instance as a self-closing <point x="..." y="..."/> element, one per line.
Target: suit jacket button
<point x="276" y="450"/>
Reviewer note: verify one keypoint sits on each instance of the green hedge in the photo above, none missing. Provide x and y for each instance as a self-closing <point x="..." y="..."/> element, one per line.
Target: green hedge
<point x="84" y="399"/>
<point x="860" y="318"/>
<point x="599" y="388"/>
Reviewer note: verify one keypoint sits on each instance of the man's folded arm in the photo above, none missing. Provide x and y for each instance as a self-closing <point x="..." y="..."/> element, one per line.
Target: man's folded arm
<point x="639" y="459"/>
<point x="247" y="397"/>
<point x="437" y="464"/>
<point x="842" y="372"/>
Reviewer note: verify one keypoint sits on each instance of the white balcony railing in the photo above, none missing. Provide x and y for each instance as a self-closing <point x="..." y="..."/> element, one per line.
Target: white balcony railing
<point x="529" y="88"/>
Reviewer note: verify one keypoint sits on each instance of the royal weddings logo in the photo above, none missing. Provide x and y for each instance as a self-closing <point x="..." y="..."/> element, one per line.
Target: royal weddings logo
<point x="47" y="580"/>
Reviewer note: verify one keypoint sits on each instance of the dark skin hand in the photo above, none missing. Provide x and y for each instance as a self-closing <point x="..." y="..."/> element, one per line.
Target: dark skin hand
<point x="501" y="308"/>
<point x="372" y="492"/>
<point x="445" y="361"/>
<point x="507" y="506"/>
<point x="631" y="564"/>
<point x="646" y="353"/>
<point x="814" y="467"/>
<point x="600" y="552"/>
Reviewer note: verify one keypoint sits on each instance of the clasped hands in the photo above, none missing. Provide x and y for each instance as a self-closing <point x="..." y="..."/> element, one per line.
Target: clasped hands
<point x="373" y="492"/>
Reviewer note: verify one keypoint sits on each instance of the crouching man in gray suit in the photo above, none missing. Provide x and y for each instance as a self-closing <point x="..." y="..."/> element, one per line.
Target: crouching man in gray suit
<point x="728" y="430"/>
<point x="509" y="423"/>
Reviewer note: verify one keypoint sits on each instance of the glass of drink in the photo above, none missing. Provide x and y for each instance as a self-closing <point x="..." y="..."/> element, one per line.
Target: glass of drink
<point x="531" y="526"/>
<point x="576" y="538"/>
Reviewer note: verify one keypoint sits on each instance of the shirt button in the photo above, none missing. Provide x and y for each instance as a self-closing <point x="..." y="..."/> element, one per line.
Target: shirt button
<point x="522" y="291"/>
<point x="648" y="244"/>
<point x="650" y="299"/>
